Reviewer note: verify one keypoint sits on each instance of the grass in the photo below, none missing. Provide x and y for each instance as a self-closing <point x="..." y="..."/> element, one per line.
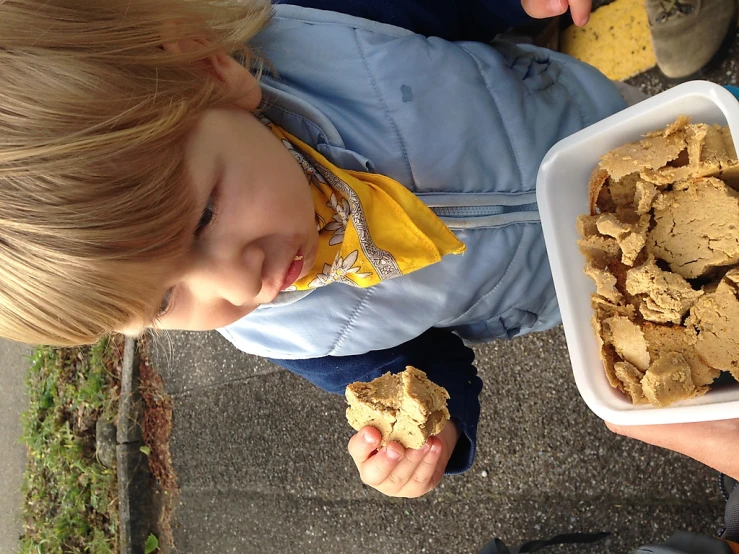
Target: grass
<point x="70" y="497"/>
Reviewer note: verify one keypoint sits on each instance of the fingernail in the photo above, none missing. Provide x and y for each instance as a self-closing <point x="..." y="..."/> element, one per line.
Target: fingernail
<point x="425" y="448"/>
<point x="392" y="454"/>
<point x="555" y="6"/>
<point x="368" y="438"/>
<point x="435" y="449"/>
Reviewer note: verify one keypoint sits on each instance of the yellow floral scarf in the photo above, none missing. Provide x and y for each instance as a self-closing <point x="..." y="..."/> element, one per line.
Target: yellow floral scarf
<point x="370" y="227"/>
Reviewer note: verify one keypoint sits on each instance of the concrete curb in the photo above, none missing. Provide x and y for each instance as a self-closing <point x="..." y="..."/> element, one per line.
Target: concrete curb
<point x="136" y="485"/>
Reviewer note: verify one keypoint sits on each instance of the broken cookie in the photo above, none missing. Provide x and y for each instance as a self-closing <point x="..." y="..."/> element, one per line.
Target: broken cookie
<point x="661" y="243"/>
<point x="715" y="320"/>
<point x="666" y="297"/>
<point x="698" y="227"/>
<point x="663" y="339"/>
<point x="653" y="152"/>
<point x="405" y="407"/>
<point x="668" y="380"/>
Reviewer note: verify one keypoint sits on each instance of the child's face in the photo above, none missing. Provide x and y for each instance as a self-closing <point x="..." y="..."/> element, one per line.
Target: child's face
<point x="255" y="218"/>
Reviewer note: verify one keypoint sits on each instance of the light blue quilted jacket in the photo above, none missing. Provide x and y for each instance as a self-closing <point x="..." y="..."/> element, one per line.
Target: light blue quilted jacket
<point x="464" y="126"/>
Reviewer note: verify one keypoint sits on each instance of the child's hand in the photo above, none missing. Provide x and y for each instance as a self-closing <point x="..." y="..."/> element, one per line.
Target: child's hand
<point x="541" y="9"/>
<point x="397" y="471"/>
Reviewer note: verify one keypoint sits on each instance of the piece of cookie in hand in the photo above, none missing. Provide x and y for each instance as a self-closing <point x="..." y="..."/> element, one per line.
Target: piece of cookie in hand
<point x="405" y="407"/>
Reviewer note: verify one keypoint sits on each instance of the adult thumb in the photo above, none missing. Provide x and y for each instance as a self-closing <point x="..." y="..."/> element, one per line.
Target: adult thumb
<point x="541" y="9"/>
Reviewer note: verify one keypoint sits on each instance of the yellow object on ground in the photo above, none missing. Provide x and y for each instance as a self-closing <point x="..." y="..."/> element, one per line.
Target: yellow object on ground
<point x="616" y="40"/>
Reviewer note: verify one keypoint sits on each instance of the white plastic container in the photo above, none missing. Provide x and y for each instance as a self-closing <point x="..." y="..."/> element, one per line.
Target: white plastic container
<point x="562" y="195"/>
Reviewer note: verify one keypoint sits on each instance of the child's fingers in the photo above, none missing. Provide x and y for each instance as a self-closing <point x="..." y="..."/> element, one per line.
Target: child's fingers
<point x="406" y="472"/>
<point x="423" y="477"/>
<point x="375" y="471"/>
<point x="363" y="444"/>
<point x="394" y="470"/>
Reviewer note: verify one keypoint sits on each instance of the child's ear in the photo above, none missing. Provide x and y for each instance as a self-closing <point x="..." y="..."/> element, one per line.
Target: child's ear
<point x="242" y="85"/>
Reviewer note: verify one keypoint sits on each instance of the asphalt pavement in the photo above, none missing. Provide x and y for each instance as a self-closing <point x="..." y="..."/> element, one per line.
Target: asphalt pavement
<point x="262" y="464"/>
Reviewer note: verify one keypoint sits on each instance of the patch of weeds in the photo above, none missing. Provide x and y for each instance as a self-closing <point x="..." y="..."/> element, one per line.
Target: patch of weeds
<point x="71" y="500"/>
<point x="156" y="428"/>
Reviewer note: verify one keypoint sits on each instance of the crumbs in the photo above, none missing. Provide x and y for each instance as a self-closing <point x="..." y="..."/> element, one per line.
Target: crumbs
<point x="661" y="243"/>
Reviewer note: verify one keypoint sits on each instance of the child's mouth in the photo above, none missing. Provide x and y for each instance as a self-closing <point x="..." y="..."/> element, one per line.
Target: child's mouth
<point x="293" y="271"/>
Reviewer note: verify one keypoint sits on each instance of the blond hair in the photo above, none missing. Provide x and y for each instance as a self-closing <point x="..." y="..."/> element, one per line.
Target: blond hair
<point x="94" y="116"/>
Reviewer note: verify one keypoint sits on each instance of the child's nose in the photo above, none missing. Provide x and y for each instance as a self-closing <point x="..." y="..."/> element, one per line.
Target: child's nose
<point x="236" y="279"/>
<point x="232" y="287"/>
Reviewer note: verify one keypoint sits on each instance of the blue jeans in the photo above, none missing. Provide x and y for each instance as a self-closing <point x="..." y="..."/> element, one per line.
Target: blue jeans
<point x="448" y="19"/>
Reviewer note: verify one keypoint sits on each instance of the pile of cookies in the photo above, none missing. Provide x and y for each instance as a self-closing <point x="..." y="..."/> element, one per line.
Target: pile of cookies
<point x="661" y="243"/>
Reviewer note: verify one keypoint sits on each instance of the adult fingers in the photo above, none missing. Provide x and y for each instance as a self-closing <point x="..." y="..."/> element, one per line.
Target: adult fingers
<point x="541" y="9"/>
<point x="363" y="444"/>
<point x="580" y="10"/>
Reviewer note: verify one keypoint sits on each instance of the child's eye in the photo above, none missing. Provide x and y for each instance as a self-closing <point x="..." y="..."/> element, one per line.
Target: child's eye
<point x="166" y="304"/>
<point x="206" y="218"/>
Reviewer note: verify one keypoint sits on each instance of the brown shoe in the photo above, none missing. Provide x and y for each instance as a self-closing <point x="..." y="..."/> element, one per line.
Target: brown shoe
<point x="686" y="34"/>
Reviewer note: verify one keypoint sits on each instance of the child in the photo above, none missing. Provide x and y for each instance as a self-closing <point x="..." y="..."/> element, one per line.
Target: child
<point x="146" y="180"/>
